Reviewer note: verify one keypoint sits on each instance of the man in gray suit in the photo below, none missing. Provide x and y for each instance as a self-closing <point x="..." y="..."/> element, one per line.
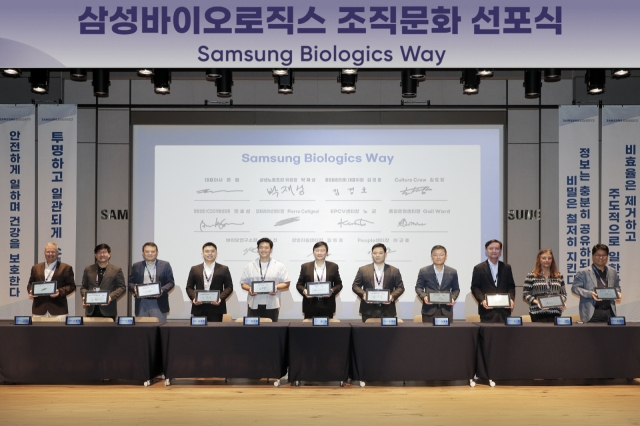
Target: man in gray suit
<point x="587" y="280"/>
<point x="437" y="277"/>
<point x="103" y="276"/>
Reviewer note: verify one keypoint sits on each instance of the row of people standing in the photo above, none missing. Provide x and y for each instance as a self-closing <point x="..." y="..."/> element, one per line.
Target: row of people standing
<point x="489" y="277"/>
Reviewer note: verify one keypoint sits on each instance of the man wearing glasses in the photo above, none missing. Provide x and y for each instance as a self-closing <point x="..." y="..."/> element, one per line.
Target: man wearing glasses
<point x="598" y="275"/>
<point x="103" y="276"/>
<point x="437" y="278"/>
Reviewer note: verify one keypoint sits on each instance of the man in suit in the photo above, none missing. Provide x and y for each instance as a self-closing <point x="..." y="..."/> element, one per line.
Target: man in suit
<point x="378" y="276"/>
<point x="319" y="270"/>
<point x="51" y="269"/>
<point x="587" y="280"/>
<point x="103" y="276"/>
<point x="209" y="276"/>
<point x="151" y="270"/>
<point x="490" y="277"/>
<point x="437" y="277"/>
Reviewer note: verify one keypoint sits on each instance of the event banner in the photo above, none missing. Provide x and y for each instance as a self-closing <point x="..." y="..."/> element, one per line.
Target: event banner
<point x="578" y="189"/>
<point x="620" y="129"/>
<point x="18" y="206"/>
<point x="57" y="174"/>
<point x="318" y="34"/>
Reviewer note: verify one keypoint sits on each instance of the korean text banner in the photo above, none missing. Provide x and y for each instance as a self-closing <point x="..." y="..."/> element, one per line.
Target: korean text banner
<point x="17" y="206"/>
<point x="318" y="34"/>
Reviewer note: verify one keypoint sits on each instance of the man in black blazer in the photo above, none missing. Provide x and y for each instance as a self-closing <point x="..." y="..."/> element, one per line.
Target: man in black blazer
<point x="490" y="277"/>
<point x="437" y="277"/>
<point x="209" y="276"/>
<point x="103" y="276"/>
<point x="380" y="276"/>
<point x="52" y="269"/>
<point x="319" y="270"/>
<point x="152" y="270"/>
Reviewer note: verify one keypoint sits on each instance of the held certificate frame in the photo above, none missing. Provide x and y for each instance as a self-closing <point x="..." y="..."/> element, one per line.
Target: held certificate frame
<point x="96" y="298"/>
<point x="44" y="288"/>
<point x="439" y="297"/>
<point x="263" y="287"/>
<point x="554" y="301"/>
<point x="377" y="296"/>
<point x="207" y="296"/>
<point x="498" y="300"/>
<point x="150" y="290"/>
<point x="319" y="289"/>
<point x="608" y="293"/>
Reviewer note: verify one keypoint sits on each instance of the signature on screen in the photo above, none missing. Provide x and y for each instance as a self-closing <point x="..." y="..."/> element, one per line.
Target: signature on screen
<point x="220" y="224"/>
<point x="421" y="189"/>
<point x="404" y="223"/>
<point x="357" y="222"/>
<point x="287" y="221"/>
<point x="208" y="191"/>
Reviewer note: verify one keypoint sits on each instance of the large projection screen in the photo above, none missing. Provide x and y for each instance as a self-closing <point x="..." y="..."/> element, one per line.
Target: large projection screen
<point x="409" y="187"/>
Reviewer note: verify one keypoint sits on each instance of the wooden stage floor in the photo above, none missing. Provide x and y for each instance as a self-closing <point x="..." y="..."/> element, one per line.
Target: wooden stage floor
<point x="253" y="402"/>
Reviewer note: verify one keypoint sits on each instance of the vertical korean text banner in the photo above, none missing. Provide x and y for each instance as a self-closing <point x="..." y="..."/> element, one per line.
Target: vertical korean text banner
<point x="17" y="203"/>
<point x="578" y="191"/>
<point x="57" y="173"/>
<point x="620" y="129"/>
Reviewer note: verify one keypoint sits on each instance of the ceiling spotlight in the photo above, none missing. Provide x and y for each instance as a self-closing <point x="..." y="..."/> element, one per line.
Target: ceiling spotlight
<point x="552" y="74"/>
<point x="39" y="80"/>
<point x="620" y="73"/>
<point x="470" y="81"/>
<point x="350" y="71"/>
<point x="78" y="74"/>
<point x="594" y="79"/>
<point x="12" y="72"/>
<point x="347" y="82"/>
<point x="212" y="74"/>
<point x="279" y="72"/>
<point x="101" y="83"/>
<point x="409" y="85"/>
<point x="161" y="80"/>
<point x="145" y="72"/>
<point x="417" y="73"/>
<point x="285" y="83"/>
<point x="484" y="72"/>
<point x="224" y="83"/>
<point x="532" y="84"/>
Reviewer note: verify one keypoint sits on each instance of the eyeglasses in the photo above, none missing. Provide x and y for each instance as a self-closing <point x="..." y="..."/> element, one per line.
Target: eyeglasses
<point x="601" y="255"/>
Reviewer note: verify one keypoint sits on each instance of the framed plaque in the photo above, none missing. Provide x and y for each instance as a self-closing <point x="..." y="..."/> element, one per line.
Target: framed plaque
<point x="126" y="321"/>
<point x="207" y="296"/>
<point x="608" y="293"/>
<point x="319" y="289"/>
<point x="74" y="321"/>
<point x="388" y="321"/>
<point x="149" y="290"/>
<point x="439" y="296"/>
<point x="377" y="296"/>
<point x="498" y="300"/>
<point x="441" y="321"/>
<point x="551" y="301"/>
<point x="513" y="321"/>
<point x="617" y="321"/>
<point x="263" y="287"/>
<point x="198" y="321"/>
<point x="96" y="298"/>
<point x="321" y="321"/>
<point x="251" y="321"/>
<point x="44" y="288"/>
<point x="22" y="320"/>
<point x="563" y="321"/>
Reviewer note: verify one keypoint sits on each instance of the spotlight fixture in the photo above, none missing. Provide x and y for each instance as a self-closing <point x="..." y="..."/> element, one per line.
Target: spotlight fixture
<point x="145" y="72"/>
<point x="212" y="74"/>
<point x="620" y="73"/>
<point x="224" y="83"/>
<point x="594" y="79"/>
<point x="78" y="74"/>
<point x="484" y="72"/>
<point x="12" y="72"/>
<point x="350" y="71"/>
<point x="532" y="84"/>
<point x="279" y="72"/>
<point x="470" y="81"/>
<point x="552" y="74"/>
<point x="285" y="83"/>
<point x="347" y="82"/>
<point x="39" y="80"/>
<point x="161" y="80"/>
<point x="101" y="83"/>
<point x="409" y="85"/>
<point x="417" y="73"/>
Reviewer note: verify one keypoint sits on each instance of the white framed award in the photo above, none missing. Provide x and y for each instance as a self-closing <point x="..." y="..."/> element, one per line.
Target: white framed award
<point x="319" y="289"/>
<point x="499" y="300"/>
<point x="263" y="287"/>
<point x="96" y="298"/>
<point x="377" y="296"/>
<point x="439" y="297"/>
<point x="207" y="296"/>
<point x="148" y="290"/>
<point x="44" y="288"/>
<point x="551" y="301"/>
<point x="608" y="293"/>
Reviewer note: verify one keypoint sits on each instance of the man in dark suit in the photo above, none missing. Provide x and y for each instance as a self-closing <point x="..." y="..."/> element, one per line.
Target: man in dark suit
<point x="437" y="277"/>
<point x="209" y="276"/>
<point x="51" y="269"/>
<point x="490" y="277"/>
<point x="319" y="270"/>
<point x="152" y="270"/>
<point x="103" y="276"/>
<point x="378" y="276"/>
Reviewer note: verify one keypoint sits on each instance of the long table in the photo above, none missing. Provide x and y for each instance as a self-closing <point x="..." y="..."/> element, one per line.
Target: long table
<point x="58" y="353"/>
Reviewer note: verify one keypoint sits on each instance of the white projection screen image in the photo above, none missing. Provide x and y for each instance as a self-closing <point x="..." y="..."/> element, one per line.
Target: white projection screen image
<point x="409" y="187"/>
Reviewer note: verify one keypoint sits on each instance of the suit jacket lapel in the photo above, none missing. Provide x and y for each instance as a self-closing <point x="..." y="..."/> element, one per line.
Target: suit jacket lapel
<point x="487" y="269"/>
